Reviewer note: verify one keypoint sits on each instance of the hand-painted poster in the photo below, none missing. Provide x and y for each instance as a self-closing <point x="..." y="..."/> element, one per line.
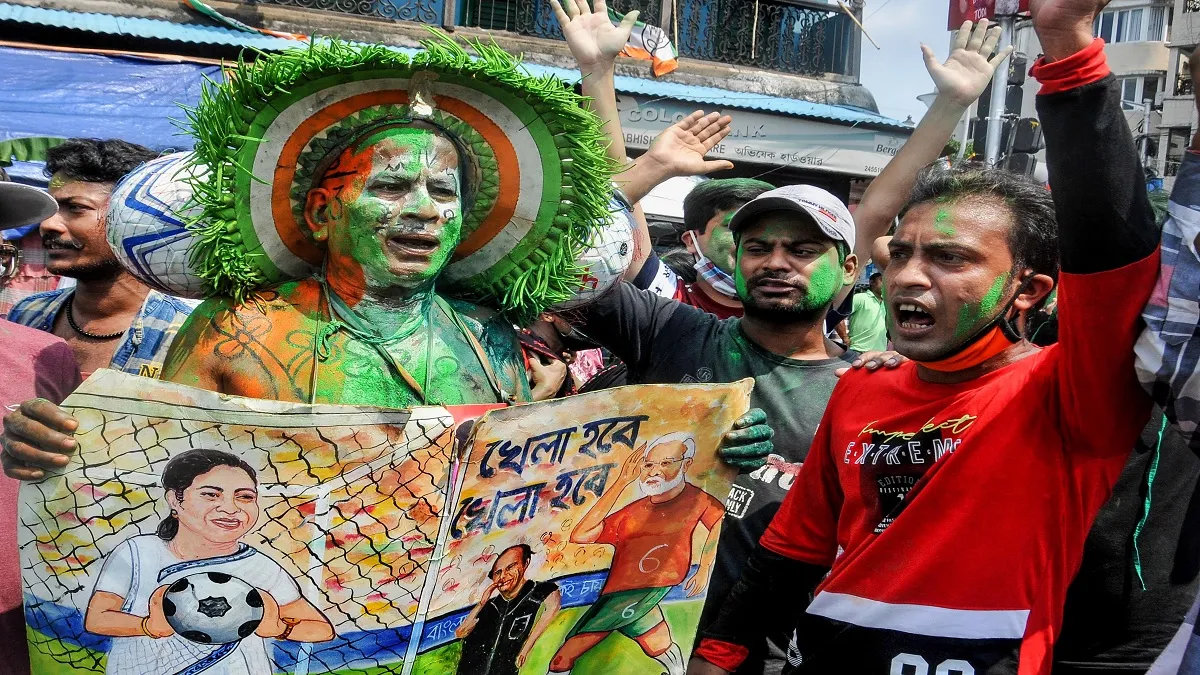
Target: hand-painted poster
<point x="199" y="533"/>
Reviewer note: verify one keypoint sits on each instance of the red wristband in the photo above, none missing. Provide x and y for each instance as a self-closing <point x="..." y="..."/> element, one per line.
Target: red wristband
<point x="1085" y="66"/>
<point x="724" y="655"/>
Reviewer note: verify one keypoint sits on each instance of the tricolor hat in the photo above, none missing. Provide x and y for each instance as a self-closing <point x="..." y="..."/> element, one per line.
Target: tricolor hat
<point x="542" y="177"/>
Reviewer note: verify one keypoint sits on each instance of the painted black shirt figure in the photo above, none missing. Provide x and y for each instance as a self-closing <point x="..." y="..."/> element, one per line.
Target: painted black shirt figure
<point x="512" y="614"/>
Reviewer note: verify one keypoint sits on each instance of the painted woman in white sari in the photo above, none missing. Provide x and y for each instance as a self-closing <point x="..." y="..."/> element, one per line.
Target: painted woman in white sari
<point x="213" y="497"/>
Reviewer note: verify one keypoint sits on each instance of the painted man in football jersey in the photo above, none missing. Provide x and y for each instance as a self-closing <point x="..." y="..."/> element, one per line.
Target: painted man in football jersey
<point x="652" y="538"/>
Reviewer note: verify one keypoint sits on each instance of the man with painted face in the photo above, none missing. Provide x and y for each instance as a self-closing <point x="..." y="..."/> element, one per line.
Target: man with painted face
<point x="707" y="210"/>
<point x="388" y="210"/>
<point x="943" y="507"/>
<point x="110" y="319"/>
<point x="792" y="248"/>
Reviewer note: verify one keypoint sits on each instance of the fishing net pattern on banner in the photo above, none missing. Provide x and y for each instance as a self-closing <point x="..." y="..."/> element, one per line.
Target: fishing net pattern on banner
<point x="349" y="505"/>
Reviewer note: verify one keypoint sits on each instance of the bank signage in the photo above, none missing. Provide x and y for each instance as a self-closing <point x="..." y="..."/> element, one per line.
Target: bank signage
<point x="770" y="139"/>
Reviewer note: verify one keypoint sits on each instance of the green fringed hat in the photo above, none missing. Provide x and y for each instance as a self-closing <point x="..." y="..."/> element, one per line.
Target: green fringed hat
<point x="542" y="177"/>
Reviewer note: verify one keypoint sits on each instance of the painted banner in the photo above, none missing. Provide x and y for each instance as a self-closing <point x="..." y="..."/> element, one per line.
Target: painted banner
<point x="199" y="533"/>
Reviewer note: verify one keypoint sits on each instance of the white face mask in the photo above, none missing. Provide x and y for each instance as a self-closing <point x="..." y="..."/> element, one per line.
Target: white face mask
<point x="707" y="270"/>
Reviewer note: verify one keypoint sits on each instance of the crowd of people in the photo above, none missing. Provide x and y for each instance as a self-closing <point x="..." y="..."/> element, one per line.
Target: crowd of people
<point x="1009" y="489"/>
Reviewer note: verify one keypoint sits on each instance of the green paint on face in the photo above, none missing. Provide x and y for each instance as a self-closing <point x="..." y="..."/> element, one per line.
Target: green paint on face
<point x="824" y="282"/>
<point x="739" y="279"/>
<point x="943" y="222"/>
<point x="720" y="247"/>
<point x="408" y="179"/>
<point x="972" y="314"/>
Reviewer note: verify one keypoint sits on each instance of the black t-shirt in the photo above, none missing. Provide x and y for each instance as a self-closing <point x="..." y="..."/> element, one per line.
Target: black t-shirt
<point x="663" y="341"/>
<point x="1110" y="623"/>
<point x="492" y="646"/>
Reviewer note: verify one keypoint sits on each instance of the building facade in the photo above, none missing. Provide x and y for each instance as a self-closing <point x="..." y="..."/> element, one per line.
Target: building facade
<point x="1179" y="108"/>
<point x="787" y="70"/>
<point x="1136" y="35"/>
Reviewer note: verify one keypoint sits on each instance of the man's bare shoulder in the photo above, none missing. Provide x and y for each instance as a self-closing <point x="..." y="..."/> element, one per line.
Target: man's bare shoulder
<point x="292" y="298"/>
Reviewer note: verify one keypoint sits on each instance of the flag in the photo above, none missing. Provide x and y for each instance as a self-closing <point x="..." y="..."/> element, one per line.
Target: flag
<point x="649" y="43"/>
<point x="229" y="22"/>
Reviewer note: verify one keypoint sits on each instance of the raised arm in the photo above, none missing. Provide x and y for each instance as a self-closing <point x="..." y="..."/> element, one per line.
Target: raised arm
<point x="959" y="81"/>
<point x="1104" y="216"/>
<point x="591" y="526"/>
<point x="1107" y="235"/>
<point x="595" y="43"/>
<point x="678" y="151"/>
<point x="468" y="624"/>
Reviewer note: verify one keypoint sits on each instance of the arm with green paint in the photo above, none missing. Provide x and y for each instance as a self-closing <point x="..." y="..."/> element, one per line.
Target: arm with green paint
<point x="959" y="81"/>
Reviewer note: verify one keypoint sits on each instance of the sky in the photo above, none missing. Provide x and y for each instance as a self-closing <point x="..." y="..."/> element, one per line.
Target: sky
<point x="895" y="74"/>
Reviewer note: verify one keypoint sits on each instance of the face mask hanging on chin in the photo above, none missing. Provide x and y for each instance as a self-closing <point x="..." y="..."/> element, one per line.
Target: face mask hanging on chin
<point x="981" y="349"/>
<point x="986" y="344"/>
<point x="709" y="272"/>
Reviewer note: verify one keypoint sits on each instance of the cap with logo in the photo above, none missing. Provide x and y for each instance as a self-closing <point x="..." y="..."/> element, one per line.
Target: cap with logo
<point x="24" y="205"/>
<point x="828" y="211"/>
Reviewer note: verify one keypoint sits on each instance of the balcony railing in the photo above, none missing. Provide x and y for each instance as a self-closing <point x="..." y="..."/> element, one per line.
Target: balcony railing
<point x="421" y="11"/>
<point x="771" y="34"/>
<point x="776" y="35"/>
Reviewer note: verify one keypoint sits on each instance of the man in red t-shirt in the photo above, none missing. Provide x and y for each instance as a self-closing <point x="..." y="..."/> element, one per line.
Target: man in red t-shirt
<point x="652" y="541"/>
<point x="942" y="509"/>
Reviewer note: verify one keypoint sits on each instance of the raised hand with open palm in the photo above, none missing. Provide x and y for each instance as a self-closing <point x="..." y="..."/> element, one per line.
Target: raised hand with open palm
<point x="969" y="68"/>
<point x="680" y="149"/>
<point x="593" y="39"/>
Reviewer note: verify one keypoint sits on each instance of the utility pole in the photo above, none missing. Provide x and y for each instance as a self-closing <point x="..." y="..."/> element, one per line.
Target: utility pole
<point x="999" y="89"/>
<point x="1145" y="144"/>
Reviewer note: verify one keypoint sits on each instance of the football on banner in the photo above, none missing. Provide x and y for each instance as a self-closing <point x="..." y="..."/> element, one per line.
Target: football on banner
<point x="145" y="225"/>
<point x="213" y="608"/>
<point x="605" y="260"/>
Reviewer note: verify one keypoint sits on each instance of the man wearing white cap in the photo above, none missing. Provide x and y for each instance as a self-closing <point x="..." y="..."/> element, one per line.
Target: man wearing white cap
<point x="35" y="364"/>
<point x="793" y="254"/>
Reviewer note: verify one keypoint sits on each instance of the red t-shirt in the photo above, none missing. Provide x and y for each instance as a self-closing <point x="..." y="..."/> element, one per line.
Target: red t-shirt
<point x="654" y="541"/>
<point x="961" y="510"/>
<point x="695" y="297"/>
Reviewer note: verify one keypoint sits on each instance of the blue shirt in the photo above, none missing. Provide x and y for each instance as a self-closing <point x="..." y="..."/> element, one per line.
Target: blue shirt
<point x="144" y="345"/>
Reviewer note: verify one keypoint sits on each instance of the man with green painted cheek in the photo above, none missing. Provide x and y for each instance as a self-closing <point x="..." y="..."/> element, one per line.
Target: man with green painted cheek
<point x="388" y="211"/>
<point x="943" y="506"/>
<point x="793" y="256"/>
<point x="405" y="221"/>
<point x="707" y="210"/>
